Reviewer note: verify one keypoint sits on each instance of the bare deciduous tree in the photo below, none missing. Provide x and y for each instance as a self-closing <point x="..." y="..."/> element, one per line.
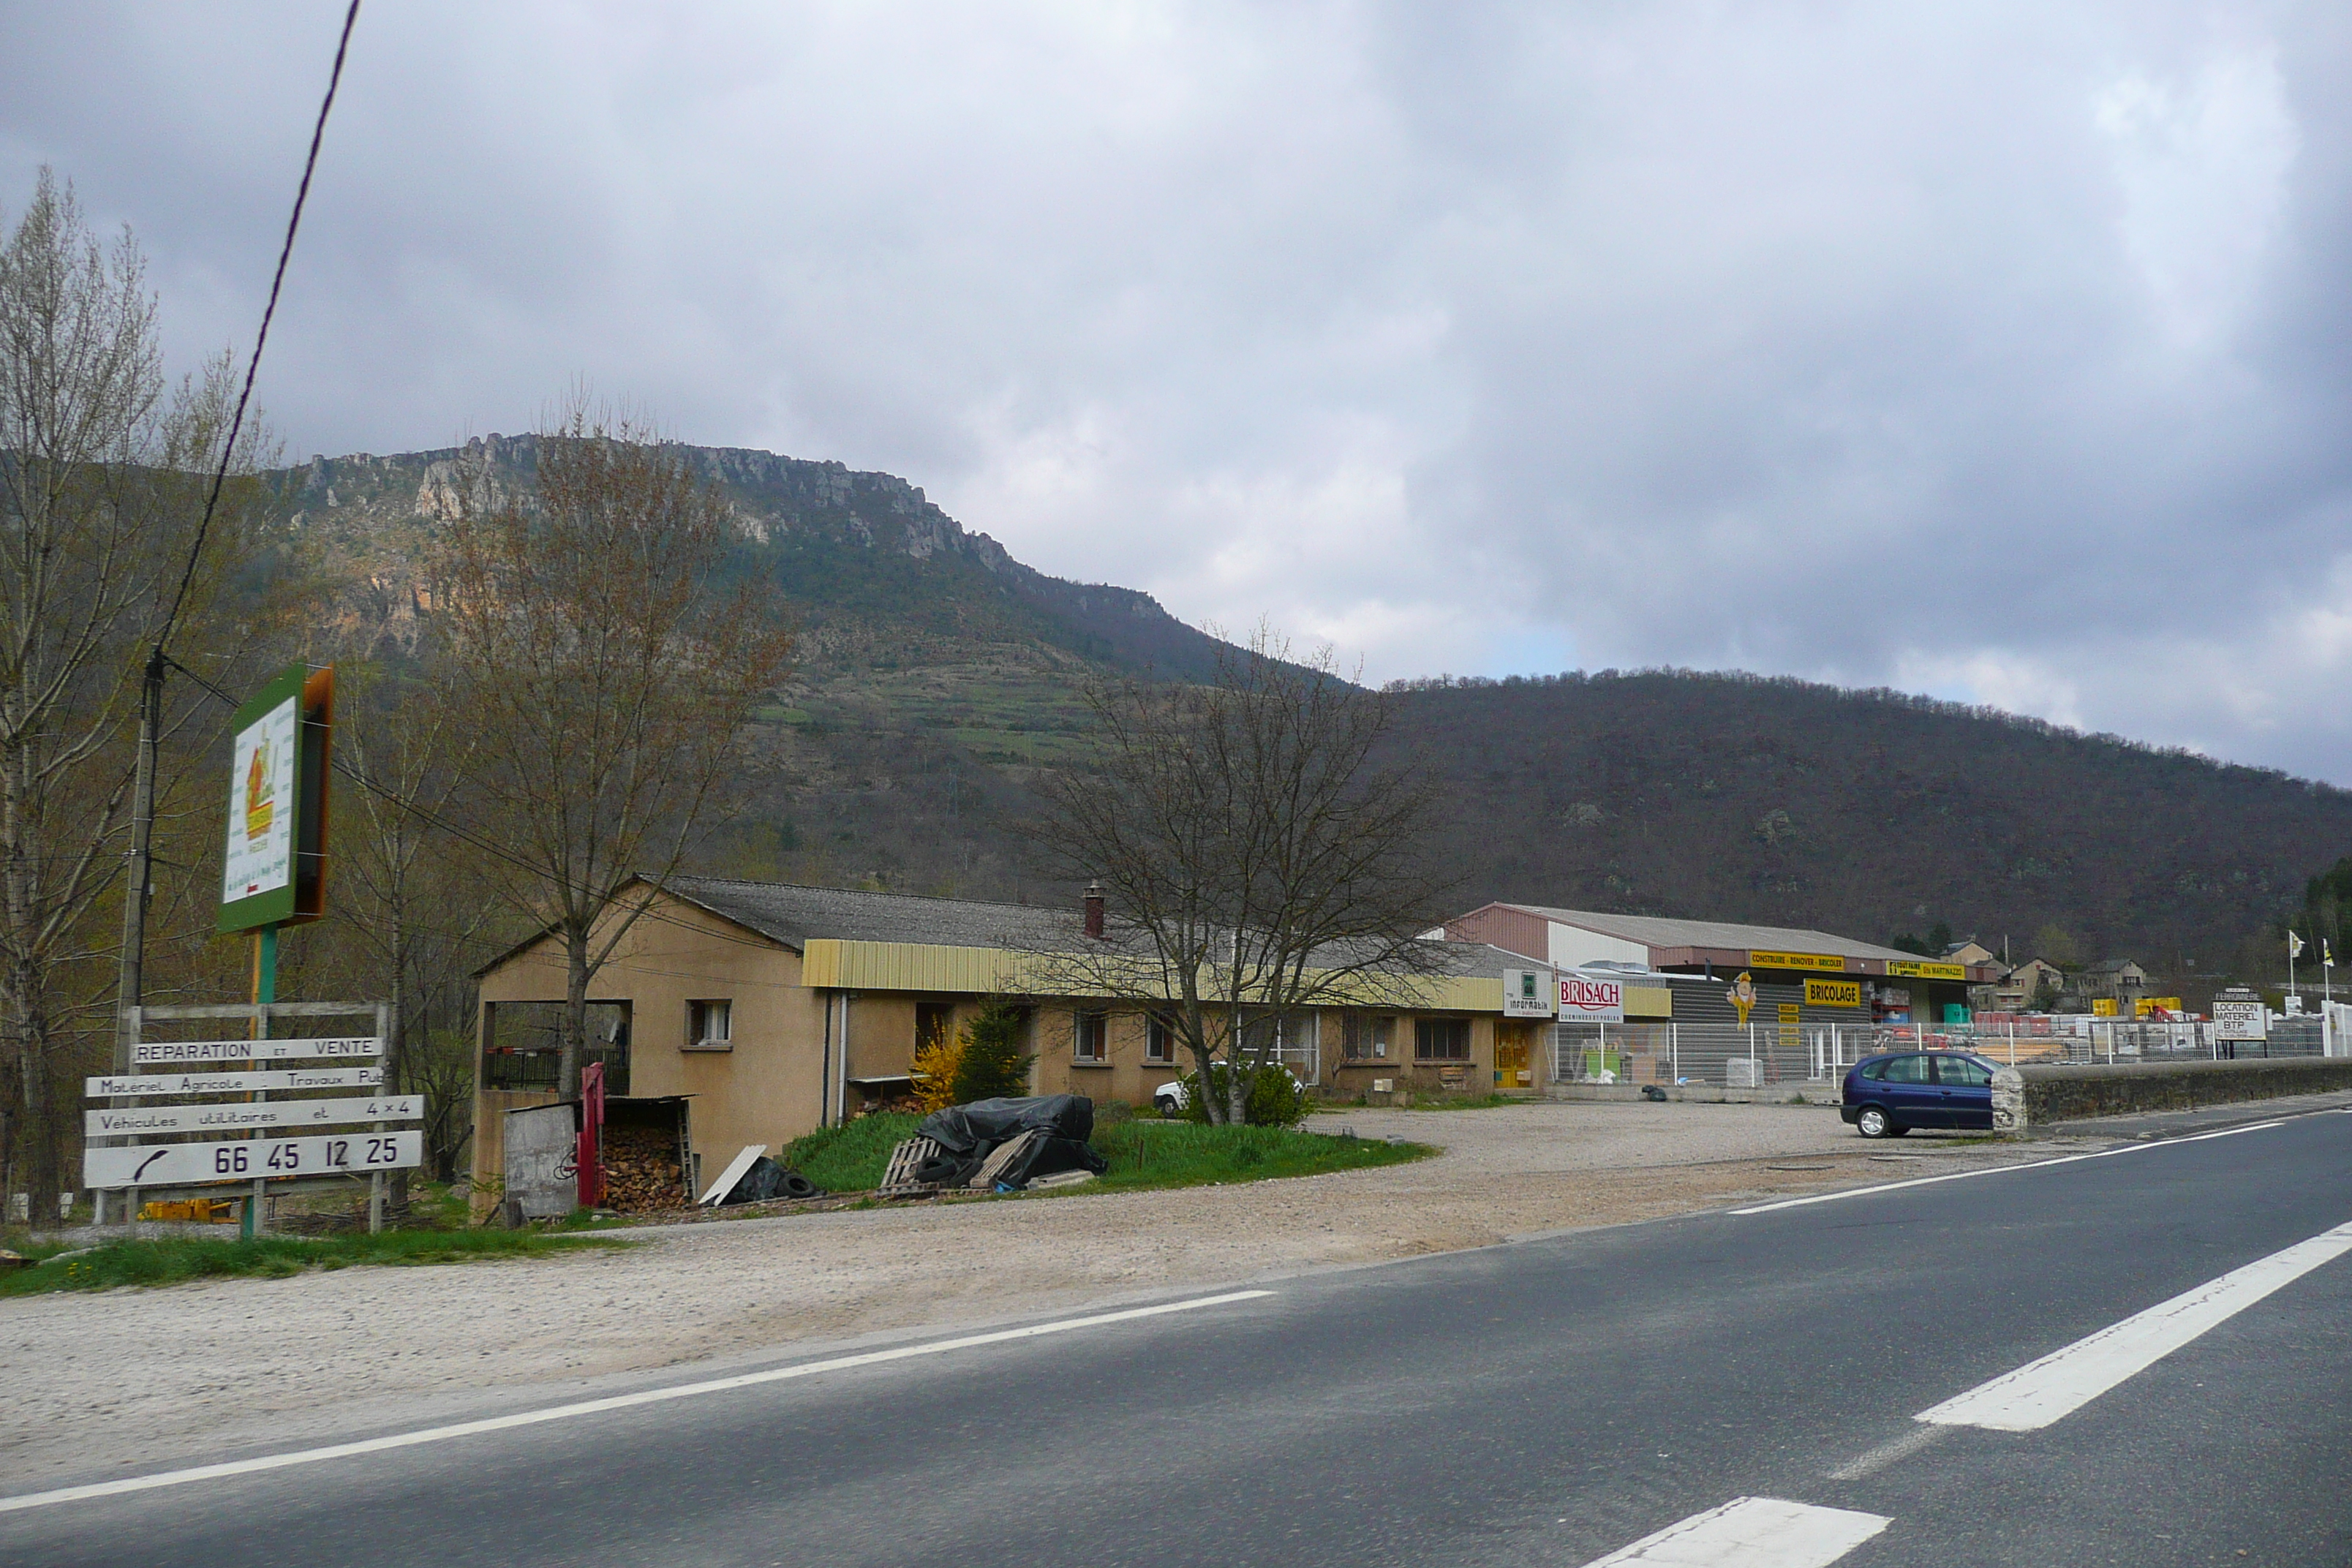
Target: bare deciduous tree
<point x="603" y="675"/>
<point x="415" y="894"/>
<point x="100" y="495"/>
<point x="1257" y="853"/>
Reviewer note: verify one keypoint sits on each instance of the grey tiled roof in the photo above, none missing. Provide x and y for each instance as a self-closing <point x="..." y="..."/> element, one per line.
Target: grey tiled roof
<point x="794" y="914"/>
<point x="1655" y="931"/>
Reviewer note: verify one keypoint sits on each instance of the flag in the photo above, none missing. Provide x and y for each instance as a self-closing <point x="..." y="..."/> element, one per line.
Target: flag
<point x="2293" y="945"/>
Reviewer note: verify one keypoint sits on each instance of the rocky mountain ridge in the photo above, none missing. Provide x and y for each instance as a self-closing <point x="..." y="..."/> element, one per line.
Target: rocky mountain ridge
<point x="371" y="520"/>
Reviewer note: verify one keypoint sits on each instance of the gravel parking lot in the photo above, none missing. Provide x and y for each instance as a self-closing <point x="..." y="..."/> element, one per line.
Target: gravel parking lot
<point x="135" y="1379"/>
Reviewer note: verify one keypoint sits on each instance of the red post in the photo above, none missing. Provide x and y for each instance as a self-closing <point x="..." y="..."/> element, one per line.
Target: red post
<point x="591" y="1160"/>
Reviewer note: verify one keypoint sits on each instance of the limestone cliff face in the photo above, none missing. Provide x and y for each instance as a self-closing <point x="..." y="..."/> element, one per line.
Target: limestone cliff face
<point x="865" y="560"/>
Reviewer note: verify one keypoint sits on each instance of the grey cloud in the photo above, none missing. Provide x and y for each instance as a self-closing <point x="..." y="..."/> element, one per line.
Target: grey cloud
<point x="1995" y="350"/>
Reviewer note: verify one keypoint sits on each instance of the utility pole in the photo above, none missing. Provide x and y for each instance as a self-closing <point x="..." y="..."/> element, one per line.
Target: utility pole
<point x="138" y="881"/>
<point x="141" y="871"/>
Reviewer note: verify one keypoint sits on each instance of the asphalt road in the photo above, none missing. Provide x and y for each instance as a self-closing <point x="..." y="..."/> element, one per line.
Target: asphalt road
<point x="1549" y="1402"/>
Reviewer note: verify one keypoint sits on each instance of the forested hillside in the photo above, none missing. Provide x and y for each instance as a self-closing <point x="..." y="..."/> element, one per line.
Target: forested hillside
<point x="936" y="674"/>
<point x="1866" y="812"/>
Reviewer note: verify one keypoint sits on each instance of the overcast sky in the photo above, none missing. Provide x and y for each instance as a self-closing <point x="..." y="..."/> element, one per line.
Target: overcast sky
<point x="1995" y="351"/>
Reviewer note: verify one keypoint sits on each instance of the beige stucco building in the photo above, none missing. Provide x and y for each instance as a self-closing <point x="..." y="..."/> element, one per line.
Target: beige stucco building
<point x="772" y="1009"/>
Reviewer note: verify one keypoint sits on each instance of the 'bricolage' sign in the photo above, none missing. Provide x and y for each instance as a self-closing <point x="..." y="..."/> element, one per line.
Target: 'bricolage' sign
<point x="1593" y="1000"/>
<point x="1833" y="993"/>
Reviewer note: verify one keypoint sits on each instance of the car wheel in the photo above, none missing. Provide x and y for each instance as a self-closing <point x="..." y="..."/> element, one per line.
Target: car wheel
<point x="1167" y="1106"/>
<point x="1871" y="1121"/>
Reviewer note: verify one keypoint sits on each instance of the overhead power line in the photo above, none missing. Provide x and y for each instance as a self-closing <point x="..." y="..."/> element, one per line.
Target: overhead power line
<point x="253" y="365"/>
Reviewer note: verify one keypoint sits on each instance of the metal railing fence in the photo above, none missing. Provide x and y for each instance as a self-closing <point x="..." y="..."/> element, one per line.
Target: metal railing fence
<point x="1762" y="1055"/>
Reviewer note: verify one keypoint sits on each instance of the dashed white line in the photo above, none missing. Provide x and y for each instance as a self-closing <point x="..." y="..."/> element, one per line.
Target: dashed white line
<point x="2001" y="1170"/>
<point x="2065" y="1380"/>
<point x="1752" y="1532"/>
<point x="598" y="1406"/>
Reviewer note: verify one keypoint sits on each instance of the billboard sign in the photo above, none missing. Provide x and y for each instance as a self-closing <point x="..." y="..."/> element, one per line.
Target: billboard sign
<point x="2238" y="1015"/>
<point x="1921" y="969"/>
<point x="1591" y="999"/>
<point x="1525" y="994"/>
<point x="1833" y="993"/>
<point x="273" y="865"/>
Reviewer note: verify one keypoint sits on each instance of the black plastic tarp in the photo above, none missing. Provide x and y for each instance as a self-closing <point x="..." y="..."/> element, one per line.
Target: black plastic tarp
<point x="766" y="1179"/>
<point x="972" y="1131"/>
<point x="966" y="1135"/>
<point x="1048" y="1155"/>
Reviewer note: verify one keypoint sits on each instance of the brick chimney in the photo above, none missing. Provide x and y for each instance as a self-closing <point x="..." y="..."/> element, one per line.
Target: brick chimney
<point x="1094" y="906"/>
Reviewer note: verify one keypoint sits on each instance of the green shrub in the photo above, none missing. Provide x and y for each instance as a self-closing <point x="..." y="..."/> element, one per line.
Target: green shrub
<point x="1274" y="1098"/>
<point x="991" y="1065"/>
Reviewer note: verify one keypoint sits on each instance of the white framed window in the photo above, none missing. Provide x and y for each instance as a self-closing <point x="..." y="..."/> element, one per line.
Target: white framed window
<point x="1090" y="1036"/>
<point x="710" y="1025"/>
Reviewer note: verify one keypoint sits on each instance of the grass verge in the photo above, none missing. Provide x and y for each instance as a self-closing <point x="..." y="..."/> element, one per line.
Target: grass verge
<point x="1142" y="1154"/>
<point x="177" y="1260"/>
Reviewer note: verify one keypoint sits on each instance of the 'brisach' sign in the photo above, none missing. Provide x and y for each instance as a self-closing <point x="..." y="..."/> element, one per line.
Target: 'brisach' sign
<point x="1595" y="1000"/>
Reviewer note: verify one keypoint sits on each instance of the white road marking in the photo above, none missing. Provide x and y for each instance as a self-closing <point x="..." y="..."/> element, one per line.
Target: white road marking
<point x="2065" y="1381"/>
<point x="1752" y="1532"/>
<point x="1885" y="1454"/>
<point x="2001" y="1170"/>
<point x="597" y="1407"/>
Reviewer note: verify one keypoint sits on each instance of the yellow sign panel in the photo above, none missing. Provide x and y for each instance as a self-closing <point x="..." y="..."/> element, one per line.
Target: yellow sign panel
<point x="2148" y="1005"/>
<point x="2103" y="1007"/>
<point x="1828" y="961"/>
<point x="1833" y="993"/>
<point x="1927" y="971"/>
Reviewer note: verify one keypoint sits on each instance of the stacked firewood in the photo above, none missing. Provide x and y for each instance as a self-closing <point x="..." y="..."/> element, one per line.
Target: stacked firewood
<point x="641" y="1170"/>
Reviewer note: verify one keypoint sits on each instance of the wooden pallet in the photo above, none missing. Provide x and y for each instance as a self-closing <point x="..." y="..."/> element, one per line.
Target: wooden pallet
<point x="984" y="1179"/>
<point x="898" y="1177"/>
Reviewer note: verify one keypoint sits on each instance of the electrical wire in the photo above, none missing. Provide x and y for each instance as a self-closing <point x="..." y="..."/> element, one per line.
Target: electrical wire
<point x="253" y="367"/>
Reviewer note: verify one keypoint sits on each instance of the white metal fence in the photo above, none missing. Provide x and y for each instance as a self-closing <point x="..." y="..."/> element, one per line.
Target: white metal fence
<point x="1762" y="1055"/>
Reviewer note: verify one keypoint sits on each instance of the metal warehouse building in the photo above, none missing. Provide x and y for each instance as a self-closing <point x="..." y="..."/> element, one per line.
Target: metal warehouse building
<point x="1721" y="1002"/>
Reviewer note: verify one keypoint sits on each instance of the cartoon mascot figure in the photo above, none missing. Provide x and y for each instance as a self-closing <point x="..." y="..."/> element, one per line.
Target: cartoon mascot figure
<point x="1742" y="996"/>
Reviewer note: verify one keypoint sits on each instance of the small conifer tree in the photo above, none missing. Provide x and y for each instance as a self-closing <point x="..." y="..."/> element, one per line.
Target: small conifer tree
<point x="988" y="1064"/>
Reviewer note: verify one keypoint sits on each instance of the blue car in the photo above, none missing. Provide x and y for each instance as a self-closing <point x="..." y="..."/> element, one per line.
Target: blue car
<point x="1887" y="1096"/>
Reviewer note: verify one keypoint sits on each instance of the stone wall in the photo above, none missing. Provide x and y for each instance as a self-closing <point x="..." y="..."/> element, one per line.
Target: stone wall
<point x="2025" y="1097"/>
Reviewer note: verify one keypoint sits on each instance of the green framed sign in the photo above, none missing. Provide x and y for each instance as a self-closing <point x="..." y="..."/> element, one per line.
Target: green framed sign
<point x="274" y="864"/>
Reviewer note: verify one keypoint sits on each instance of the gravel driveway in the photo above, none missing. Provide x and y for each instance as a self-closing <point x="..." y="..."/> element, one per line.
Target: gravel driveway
<point x="137" y="1379"/>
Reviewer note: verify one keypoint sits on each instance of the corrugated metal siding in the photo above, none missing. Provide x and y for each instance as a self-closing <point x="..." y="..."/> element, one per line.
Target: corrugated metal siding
<point x="984" y="971"/>
<point x="906" y="966"/>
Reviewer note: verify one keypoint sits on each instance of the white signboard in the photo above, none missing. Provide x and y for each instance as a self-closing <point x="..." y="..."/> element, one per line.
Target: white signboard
<point x="179" y="1165"/>
<point x="2239" y="1020"/>
<point x="261" y="853"/>
<point x="294" y="1113"/>
<point x="1525" y="994"/>
<point x="197" y="1053"/>
<point x="154" y="1083"/>
<point x="1591" y="999"/>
